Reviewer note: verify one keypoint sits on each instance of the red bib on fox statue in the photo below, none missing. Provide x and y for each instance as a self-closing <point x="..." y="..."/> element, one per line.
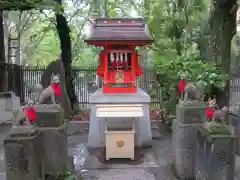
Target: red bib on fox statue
<point x="181" y="85"/>
<point x="210" y="113"/>
<point x="56" y="87"/>
<point x="31" y="114"/>
<point x="212" y="107"/>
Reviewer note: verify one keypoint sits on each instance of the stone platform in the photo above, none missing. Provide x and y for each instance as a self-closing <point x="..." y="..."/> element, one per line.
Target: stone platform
<point x="152" y="164"/>
<point x="143" y="136"/>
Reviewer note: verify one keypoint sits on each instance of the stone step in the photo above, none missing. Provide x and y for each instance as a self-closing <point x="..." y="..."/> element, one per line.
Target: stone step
<point x="159" y="129"/>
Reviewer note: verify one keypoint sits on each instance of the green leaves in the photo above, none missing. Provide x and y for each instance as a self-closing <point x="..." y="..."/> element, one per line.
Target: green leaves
<point x="194" y="68"/>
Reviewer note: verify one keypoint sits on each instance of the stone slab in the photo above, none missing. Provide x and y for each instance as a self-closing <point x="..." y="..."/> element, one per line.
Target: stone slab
<point x="215" y="157"/>
<point x="23" y="131"/>
<point x="158" y="128"/>
<point x="184" y="149"/>
<point x="24" y="157"/>
<point x="234" y="120"/>
<point x="191" y="114"/>
<point x="12" y="103"/>
<point x="55" y="148"/>
<point x="140" y="97"/>
<point x="49" y="115"/>
<point x="2" y="104"/>
<point x="120" y="174"/>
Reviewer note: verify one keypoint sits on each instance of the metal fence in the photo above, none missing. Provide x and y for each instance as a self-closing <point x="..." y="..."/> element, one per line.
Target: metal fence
<point x="23" y="79"/>
<point x="86" y="83"/>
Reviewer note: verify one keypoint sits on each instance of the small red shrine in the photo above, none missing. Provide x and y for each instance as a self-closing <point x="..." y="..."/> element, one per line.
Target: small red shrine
<point x="118" y="61"/>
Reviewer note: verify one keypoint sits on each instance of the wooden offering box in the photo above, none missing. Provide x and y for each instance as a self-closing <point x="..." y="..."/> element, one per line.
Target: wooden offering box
<point x="120" y="139"/>
<point x="118" y="61"/>
<point x="119" y="142"/>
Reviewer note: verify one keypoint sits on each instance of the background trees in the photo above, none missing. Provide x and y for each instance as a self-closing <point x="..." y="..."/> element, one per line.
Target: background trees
<point x="191" y="36"/>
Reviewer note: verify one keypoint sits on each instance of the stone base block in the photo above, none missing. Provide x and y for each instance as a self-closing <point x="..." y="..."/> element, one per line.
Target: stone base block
<point x="96" y="136"/>
<point x="24" y="157"/>
<point x="55" y="148"/>
<point x="215" y="156"/>
<point x="12" y="103"/>
<point x="71" y="162"/>
<point x="235" y="122"/>
<point x="194" y="113"/>
<point x="49" y="115"/>
<point x="184" y="149"/>
<point x="143" y="133"/>
<point x="2" y="104"/>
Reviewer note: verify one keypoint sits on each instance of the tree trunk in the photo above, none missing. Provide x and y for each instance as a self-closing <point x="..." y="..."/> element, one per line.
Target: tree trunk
<point x="66" y="53"/>
<point x="222" y="28"/>
<point x="2" y="55"/>
<point x="95" y="8"/>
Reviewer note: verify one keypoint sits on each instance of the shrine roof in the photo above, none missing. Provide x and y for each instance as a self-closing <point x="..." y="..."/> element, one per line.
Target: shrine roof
<point x="119" y="29"/>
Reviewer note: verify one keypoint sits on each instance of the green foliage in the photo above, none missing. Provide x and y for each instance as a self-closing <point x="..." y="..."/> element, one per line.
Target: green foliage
<point x="176" y="29"/>
<point x="27" y="5"/>
<point x="195" y="68"/>
<point x="66" y="174"/>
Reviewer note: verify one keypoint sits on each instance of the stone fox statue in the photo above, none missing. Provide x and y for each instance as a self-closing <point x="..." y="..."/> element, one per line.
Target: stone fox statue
<point x="53" y="90"/>
<point x="194" y="91"/>
<point x="24" y="113"/>
<point x="221" y="116"/>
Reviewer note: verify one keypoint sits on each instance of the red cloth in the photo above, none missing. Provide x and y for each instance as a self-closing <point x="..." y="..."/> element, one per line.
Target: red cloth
<point x="100" y="71"/>
<point x="139" y="71"/>
<point x="210" y="112"/>
<point x="31" y="114"/>
<point x="181" y="85"/>
<point x="56" y="89"/>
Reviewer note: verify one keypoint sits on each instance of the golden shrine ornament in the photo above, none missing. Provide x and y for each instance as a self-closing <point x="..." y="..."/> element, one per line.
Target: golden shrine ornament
<point x="119" y="77"/>
<point x="120" y="143"/>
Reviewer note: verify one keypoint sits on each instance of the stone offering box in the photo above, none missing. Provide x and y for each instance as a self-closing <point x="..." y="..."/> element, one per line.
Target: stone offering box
<point x="235" y="123"/>
<point x="8" y="101"/>
<point x="49" y="115"/>
<point x="184" y="149"/>
<point x="188" y="112"/>
<point x="24" y="157"/>
<point x="55" y="148"/>
<point x="215" y="154"/>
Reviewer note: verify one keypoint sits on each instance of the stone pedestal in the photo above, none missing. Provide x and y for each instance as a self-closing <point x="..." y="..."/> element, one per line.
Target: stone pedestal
<point x="215" y="156"/>
<point x="12" y="103"/>
<point x="24" y="155"/>
<point x="143" y="134"/>
<point x="49" y="115"/>
<point x="9" y="101"/>
<point x="190" y="112"/>
<point x="55" y="148"/>
<point x="234" y="121"/>
<point x="184" y="149"/>
<point x="189" y="117"/>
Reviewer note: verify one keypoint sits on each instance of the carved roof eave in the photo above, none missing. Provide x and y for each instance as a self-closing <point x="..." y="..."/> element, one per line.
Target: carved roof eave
<point x="101" y="34"/>
<point x="119" y="42"/>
